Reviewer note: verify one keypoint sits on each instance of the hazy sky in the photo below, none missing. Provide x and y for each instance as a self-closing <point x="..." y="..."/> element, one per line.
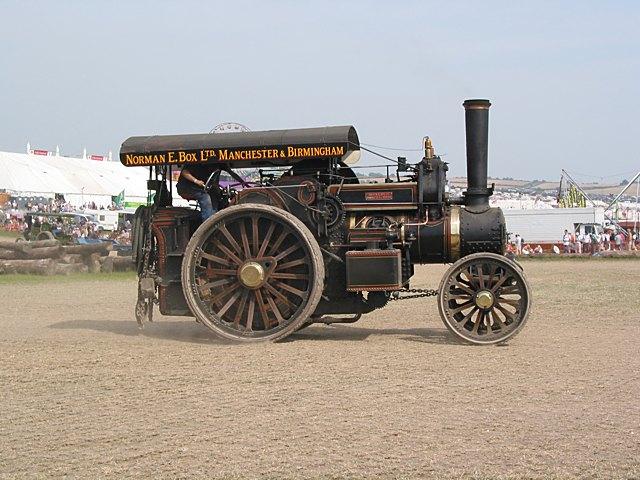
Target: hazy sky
<point x="563" y="77"/>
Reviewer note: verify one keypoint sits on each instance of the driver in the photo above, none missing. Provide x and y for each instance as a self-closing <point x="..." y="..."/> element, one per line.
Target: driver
<point x="191" y="186"/>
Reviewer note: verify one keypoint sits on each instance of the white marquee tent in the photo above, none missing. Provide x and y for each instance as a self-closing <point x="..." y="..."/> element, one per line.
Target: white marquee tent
<point x="79" y="180"/>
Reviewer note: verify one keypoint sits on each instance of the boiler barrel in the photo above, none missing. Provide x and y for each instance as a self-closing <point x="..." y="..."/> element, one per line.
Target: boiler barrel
<point x="459" y="233"/>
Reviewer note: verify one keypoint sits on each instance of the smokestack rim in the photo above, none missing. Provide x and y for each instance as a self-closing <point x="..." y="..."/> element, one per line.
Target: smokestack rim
<point x="476" y="104"/>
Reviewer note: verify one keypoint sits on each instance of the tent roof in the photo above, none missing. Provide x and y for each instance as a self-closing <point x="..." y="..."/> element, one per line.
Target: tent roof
<point x="21" y="172"/>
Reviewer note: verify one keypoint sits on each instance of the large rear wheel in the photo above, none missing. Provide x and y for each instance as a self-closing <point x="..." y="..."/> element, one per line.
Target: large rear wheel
<point x="253" y="273"/>
<point x="484" y="299"/>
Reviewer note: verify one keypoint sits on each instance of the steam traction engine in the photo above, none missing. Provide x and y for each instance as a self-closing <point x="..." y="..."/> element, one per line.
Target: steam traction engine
<point x="308" y="243"/>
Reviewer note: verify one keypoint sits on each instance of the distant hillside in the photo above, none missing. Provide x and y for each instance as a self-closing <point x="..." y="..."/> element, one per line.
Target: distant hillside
<point x="540" y="186"/>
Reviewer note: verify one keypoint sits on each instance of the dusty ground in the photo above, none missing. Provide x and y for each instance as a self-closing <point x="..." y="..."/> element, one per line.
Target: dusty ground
<point x="84" y="393"/>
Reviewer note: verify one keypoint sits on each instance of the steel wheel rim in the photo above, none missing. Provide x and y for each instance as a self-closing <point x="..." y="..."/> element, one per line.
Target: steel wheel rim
<point x="241" y="307"/>
<point x="485" y="300"/>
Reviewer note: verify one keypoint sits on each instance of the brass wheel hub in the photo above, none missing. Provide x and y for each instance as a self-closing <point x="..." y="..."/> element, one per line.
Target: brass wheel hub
<point x="484" y="299"/>
<point x="252" y="274"/>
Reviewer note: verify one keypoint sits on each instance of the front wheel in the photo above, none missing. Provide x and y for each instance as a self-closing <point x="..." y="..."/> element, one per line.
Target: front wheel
<point x="484" y="299"/>
<point x="253" y="273"/>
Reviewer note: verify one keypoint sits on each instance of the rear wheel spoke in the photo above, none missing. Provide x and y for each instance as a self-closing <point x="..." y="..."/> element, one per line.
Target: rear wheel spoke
<point x="278" y="242"/>
<point x="216" y="283"/>
<point x="280" y="296"/>
<point x="290" y="289"/>
<point x="263" y="311"/>
<point x="250" y="313"/>
<point x="290" y="276"/>
<point x="215" y="259"/>
<point x="291" y="264"/>
<point x="225" y="291"/>
<point x="221" y="271"/>
<point x="265" y="242"/>
<point x="240" y="309"/>
<point x="230" y="239"/>
<point x="254" y="234"/>
<point x="287" y="252"/>
<point x="230" y="302"/>
<point x="230" y="254"/>
<point x="274" y="309"/>
<point x="245" y="240"/>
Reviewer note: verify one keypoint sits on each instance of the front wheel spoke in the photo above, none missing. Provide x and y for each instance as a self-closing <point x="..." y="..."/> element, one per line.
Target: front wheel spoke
<point x="499" y="283"/>
<point x="509" y="301"/>
<point x="492" y="272"/>
<point x="479" y="319"/>
<point x="461" y="307"/>
<point x="496" y="319"/>
<point x="511" y="290"/>
<point x="508" y="315"/>
<point x="460" y="296"/>
<point x="464" y="288"/>
<point x="466" y="318"/>
<point x="471" y="278"/>
<point x="290" y="276"/>
<point x="481" y="277"/>
<point x="465" y="282"/>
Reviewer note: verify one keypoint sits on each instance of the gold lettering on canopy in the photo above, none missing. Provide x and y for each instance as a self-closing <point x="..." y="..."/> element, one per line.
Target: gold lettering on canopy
<point x="226" y="155"/>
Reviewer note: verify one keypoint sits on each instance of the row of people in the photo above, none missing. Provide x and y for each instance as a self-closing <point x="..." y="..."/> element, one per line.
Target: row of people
<point x="605" y="241"/>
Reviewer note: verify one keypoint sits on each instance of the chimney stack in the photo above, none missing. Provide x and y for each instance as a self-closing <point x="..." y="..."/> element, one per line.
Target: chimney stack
<point x="477" y="131"/>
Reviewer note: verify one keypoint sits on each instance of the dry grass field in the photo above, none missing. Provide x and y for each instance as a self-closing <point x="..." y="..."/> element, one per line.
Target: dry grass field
<point x="84" y="393"/>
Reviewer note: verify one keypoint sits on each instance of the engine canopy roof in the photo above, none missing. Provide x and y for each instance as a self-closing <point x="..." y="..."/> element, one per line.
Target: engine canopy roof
<point x="242" y="149"/>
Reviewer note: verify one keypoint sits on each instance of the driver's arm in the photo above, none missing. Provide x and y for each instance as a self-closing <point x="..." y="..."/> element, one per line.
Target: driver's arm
<point x="186" y="174"/>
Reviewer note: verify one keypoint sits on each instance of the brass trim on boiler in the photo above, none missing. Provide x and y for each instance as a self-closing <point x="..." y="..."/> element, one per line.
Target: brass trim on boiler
<point x="454" y="233"/>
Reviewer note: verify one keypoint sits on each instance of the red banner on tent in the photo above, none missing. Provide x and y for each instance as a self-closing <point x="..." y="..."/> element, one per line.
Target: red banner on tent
<point x="40" y="152"/>
<point x="99" y="158"/>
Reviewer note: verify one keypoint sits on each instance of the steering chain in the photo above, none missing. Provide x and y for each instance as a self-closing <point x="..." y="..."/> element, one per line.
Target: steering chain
<point x="414" y="293"/>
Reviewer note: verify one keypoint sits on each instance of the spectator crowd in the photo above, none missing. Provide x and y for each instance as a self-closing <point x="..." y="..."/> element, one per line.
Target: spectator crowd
<point x="38" y="214"/>
<point x="580" y="243"/>
<point x="594" y="243"/>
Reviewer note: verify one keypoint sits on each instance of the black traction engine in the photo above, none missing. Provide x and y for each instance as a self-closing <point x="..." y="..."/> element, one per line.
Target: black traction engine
<point x="301" y="240"/>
